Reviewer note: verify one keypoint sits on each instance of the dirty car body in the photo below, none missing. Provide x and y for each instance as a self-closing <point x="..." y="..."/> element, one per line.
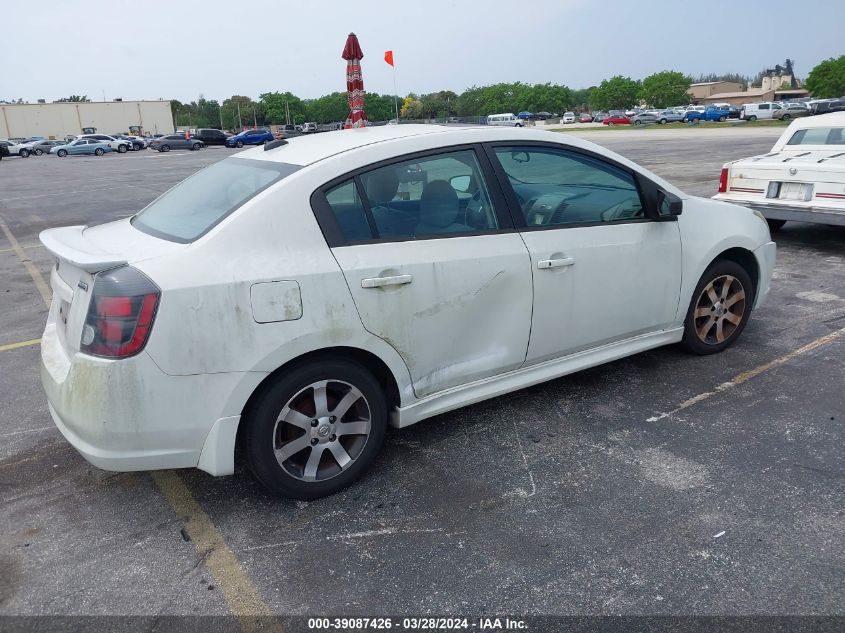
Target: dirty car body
<point x="298" y="297"/>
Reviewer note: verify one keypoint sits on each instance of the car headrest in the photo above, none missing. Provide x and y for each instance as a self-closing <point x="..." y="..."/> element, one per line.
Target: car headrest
<point x="439" y="205"/>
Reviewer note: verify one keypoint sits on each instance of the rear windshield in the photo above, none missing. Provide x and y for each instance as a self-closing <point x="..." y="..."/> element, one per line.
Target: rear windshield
<point x="818" y="136"/>
<point x="196" y="204"/>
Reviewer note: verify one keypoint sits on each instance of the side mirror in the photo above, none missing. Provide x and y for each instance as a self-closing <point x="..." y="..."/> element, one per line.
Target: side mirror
<point x="669" y="206"/>
<point x="460" y="183"/>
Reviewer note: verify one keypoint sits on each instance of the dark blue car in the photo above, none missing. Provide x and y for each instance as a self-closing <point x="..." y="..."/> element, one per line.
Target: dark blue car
<point x="258" y="136"/>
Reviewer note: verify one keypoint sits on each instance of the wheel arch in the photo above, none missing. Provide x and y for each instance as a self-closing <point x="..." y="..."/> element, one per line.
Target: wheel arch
<point x="370" y="361"/>
<point x="747" y="260"/>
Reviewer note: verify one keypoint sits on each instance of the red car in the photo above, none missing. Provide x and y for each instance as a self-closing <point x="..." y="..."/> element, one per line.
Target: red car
<point x="616" y="119"/>
<point x="585" y="117"/>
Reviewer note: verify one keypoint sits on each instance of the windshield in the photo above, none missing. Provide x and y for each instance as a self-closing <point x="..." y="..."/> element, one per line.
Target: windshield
<point x="195" y="205"/>
<point x="818" y="136"/>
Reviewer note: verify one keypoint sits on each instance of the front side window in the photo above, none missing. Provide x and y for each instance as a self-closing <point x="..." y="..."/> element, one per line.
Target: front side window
<point x="196" y="204"/>
<point x="818" y="136"/>
<point x="559" y="187"/>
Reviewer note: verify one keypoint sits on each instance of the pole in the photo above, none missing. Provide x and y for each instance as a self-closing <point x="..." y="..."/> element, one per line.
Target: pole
<point x="254" y="119"/>
<point x="395" y="94"/>
<point x="240" y="121"/>
<point x="220" y="110"/>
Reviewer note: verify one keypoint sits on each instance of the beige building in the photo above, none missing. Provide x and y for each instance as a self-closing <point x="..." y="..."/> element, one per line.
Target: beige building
<point x="57" y="120"/>
<point x="698" y="92"/>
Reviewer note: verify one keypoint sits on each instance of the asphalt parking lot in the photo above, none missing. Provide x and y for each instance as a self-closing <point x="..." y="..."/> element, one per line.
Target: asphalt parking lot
<point x="659" y="484"/>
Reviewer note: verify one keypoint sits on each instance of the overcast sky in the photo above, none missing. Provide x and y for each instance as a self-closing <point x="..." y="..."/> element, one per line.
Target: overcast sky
<point x="146" y="49"/>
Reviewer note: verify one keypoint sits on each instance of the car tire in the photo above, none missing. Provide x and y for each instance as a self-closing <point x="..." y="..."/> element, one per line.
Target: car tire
<point x="786" y="117"/>
<point x="775" y="225"/>
<point x="122" y="149"/>
<point x="138" y="146"/>
<point x="707" y="328"/>
<point x="165" y="148"/>
<point x="195" y="147"/>
<point x="239" y="144"/>
<point x="61" y="153"/>
<point x="663" y="121"/>
<point x="24" y="153"/>
<point x="281" y="440"/>
<point x="752" y="118"/>
<point x="638" y="122"/>
<point x="38" y="152"/>
<point x="722" y="119"/>
<point x="99" y="151"/>
<point x="610" y="123"/>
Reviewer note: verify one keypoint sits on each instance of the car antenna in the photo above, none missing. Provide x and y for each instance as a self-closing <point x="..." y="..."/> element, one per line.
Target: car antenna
<point x="274" y="144"/>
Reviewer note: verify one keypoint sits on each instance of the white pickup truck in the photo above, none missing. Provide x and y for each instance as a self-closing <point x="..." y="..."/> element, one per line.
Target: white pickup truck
<point x="802" y="178"/>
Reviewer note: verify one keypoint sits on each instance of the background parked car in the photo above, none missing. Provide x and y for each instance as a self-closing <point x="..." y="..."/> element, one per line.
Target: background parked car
<point x="258" y="136"/>
<point x="176" y="141"/>
<point x="644" y="118"/>
<point x="568" y="117"/>
<point x="16" y="148"/>
<point x="790" y="111"/>
<point x="43" y="147"/>
<point x="828" y="105"/>
<point x="616" y="119"/>
<point x="82" y="146"/>
<point x="754" y="111"/>
<point x="585" y="117"/>
<point x="599" y="116"/>
<point x="4" y="151"/>
<point x="525" y="115"/>
<point x="118" y="145"/>
<point x="669" y="116"/>
<point x="211" y="136"/>
<point x="136" y="142"/>
<point x="710" y="113"/>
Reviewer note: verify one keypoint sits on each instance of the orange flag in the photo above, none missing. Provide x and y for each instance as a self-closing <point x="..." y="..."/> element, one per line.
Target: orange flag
<point x="388" y="57"/>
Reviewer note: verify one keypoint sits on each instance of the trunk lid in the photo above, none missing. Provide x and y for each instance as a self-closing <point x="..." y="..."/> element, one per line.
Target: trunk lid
<point x="81" y="252"/>
<point x="808" y="176"/>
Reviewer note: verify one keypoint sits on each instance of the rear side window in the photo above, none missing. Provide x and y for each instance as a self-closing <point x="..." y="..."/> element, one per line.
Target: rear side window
<point x="349" y="212"/>
<point x="195" y="205"/>
<point x="818" y="136"/>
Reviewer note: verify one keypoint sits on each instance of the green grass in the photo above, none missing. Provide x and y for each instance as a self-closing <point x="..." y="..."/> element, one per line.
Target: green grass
<point x="706" y="125"/>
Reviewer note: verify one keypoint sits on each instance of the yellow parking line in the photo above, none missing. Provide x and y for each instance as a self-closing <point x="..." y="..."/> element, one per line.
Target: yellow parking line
<point x="753" y="373"/>
<point x="42" y="286"/>
<point x="9" y="250"/>
<point x="8" y="346"/>
<point x="242" y="597"/>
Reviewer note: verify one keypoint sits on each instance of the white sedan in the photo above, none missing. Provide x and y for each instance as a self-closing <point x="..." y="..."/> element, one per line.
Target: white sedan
<point x="802" y="177"/>
<point x="298" y="297"/>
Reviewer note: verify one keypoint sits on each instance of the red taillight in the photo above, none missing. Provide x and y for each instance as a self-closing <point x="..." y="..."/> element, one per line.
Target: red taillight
<point x="723" y="180"/>
<point x="121" y="313"/>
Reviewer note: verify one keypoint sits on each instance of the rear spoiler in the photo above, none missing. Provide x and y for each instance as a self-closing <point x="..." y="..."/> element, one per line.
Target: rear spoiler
<point x="68" y="244"/>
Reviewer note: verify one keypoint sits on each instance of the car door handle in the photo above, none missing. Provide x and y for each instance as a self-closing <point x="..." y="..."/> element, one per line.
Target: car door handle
<point x="380" y="282"/>
<point x="555" y="263"/>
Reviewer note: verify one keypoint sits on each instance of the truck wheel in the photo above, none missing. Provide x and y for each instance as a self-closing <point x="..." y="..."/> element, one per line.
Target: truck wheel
<point x="721" y="119"/>
<point x="752" y="118"/>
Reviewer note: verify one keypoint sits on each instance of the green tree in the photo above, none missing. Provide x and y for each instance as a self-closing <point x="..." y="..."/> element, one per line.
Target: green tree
<point x="827" y="79"/>
<point x="330" y="108"/>
<point x="278" y="105"/>
<point x="71" y="99"/>
<point x="250" y="111"/>
<point x="664" y="89"/>
<point x="379" y="107"/>
<point x="615" y="93"/>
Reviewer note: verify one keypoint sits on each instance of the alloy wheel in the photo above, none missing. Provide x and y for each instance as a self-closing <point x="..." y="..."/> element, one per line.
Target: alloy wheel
<point x="719" y="310"/>
<point x="322" y="430"/>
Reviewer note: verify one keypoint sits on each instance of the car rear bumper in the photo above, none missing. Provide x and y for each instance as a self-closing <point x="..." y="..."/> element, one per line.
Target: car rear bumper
<point x="127" y="414"/>
<point x="779" y="211"/>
